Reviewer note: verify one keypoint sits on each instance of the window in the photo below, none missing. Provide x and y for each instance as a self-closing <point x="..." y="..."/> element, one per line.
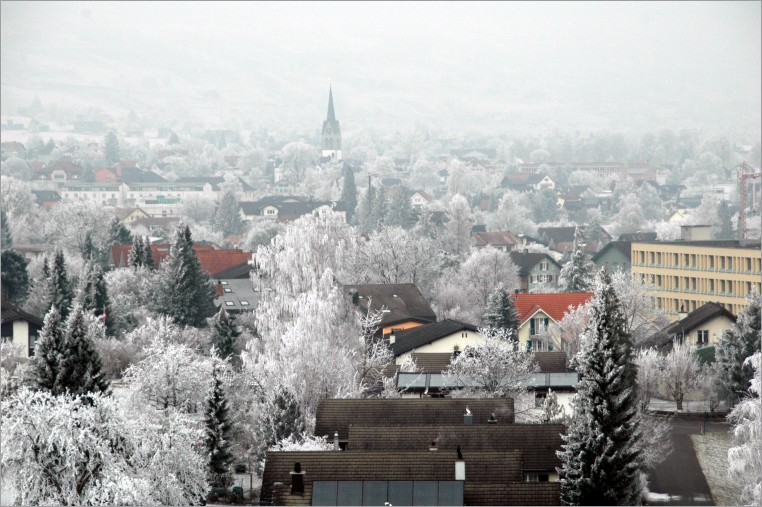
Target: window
<point x="229" y="303"/>
<point x="270" y="212"/>
<point x="537" y="325"/>
<point x="537" y="477"/>
<point x="228" y="289"/>
<point x="533" y="278"/>
<point x="543" y="266"/>
<point x="244" y="302"/>
<point x="703" y="337"/>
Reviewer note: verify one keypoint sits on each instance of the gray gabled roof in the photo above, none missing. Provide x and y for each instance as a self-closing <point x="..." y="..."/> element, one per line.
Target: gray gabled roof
<point x="706" y="312"/>
<point x="526" y="261"/>
<point x="412" y="338"/>
<point x="402" y="300"/>
<point x="624" y="247"/>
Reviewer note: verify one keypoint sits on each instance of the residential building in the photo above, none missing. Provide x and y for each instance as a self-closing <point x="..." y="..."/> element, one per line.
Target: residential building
<point x="702" y="327"/>
<point x="535" y="269"/>
<point x="445" y="336"/>
<point x="128" y="215"/>
<point x="600" y="168"/>
<point x="46" y="199"/>
<point x="539" y="313"/>
<point x="614" y="256"/>
<point x="561" y="239"/>
<point x="527" y="182"/>
<point x="285" y="208"/>
<point x="20" y="328"/>
<point x="501" y="240"/>
<point x="402" y="304"/>
<point x="686" y="274"/>
<point x="236" y="295"/>
<point x="331" y="136"/>
<point x="419" y="199"/>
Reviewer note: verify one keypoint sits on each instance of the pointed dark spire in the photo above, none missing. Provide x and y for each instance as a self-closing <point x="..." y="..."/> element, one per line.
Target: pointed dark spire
<point x="331" y="115"/>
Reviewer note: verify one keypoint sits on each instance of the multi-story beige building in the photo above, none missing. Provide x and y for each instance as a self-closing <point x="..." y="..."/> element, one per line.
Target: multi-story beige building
<point x="686" y="274"/>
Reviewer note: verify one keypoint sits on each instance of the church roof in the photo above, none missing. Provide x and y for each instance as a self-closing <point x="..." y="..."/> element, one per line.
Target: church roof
<point x="331" y="115"/>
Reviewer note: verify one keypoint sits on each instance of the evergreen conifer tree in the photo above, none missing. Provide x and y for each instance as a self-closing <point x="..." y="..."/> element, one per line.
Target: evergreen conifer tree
<point x="736" y="344"/>
<point x="186" y="293"/>
<point x="80" y="369"/>
<point x="284" y="418"/>
<point x="111" y="148"/>
<point x="379" y="208"/>
<point x="89" y="252"/>
<point x="62" y="294"/>
<point x="400" y="212"/>
<point x="218" y="431"/>
<point x="118" y="233"/>
<point x="228" y="217"/>
<point x="148" y="254"/>
<point x="349" y="192"/>
<point x="48" y="353"/>
<point x="6" y="238"/>
<point x="136" y="257"/>
<point x="224" y="334"/>
<point x="501" y="312"/>
<point x="601" y="459"/>
<point x="15" y="278"/>
<point x="577" y="273"/>
<point x="365" y="211"/>
<point x="726" y="225"/>
<point x="94" y="296"/>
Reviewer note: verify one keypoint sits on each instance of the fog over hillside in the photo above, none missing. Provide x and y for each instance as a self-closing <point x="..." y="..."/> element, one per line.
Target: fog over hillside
<point x="512" y="67"/>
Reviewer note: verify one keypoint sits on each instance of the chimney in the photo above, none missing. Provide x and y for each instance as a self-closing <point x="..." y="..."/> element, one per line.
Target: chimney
<point x="354" y="296"/>
<point x="492" y="419"/>
<point x="392" y="339"/>
<point x="336" y="441"/>
<point x="297" y="479"/>
<point x="460" y="467"/>
<point x="433" y="446"/>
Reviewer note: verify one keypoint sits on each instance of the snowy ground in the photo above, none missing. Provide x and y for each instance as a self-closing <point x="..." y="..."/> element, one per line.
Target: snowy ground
<point x="6" y="495"/>
<point x="712" y="453"/>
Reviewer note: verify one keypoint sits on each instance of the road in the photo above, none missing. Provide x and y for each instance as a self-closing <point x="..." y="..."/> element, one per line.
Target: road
<point x="679" y="479"/>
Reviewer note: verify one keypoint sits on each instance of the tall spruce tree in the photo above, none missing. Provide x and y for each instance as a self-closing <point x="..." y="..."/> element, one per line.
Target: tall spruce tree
<point x="136" y="256"/>
<point x="349" y="192"/>
<point x="94" y="296"/>
<point x="736" y="344"/>
<point x="148" y="254"/>
<point x="601" y="459"/>
<point x="365" y="211"/>
<point x="228" y="217"/>
<point x="6" y="238"/>
<point x="218" y="431"/>
<point x="224" y="334"/>
<point x="15" y="278"/>
<point x="400" y="213"/>
<point x="726" y="225"/>
<point x="186" y="294"/>
<point x="577" y="273"/>
<point x="118" y="233"/>
<point x="49" y="351"/>
<point x="501" y="312"/>
<point x="62" y="293"/>
<point x="284" y="418"/>
<point x="89" y="252"/>
<point x="80" y="369"/>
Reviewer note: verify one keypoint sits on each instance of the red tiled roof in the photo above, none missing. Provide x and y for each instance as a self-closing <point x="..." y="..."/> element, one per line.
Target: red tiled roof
<point x="212" y="261"/>
<point x="554" y="305"/>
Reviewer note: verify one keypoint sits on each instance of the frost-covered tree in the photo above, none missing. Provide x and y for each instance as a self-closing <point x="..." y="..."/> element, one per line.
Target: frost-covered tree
<point x="736" y="344"/>
<point x="65" y="450"/>
<point x="136" y="255"/>
<point x="228" y="217"/>
<point x="576" y="275"/>
<point x="484" y="271"/>
<point x="185" y="292"/>
<point x="601" y="459"/>
<point x="745" y="457"/>
<point x="681" y="371"/>
<point x="642" y="316"/>
<point x="459" y="224"/>
<point x="18" y="203"/>
<point x="512" y="214"/>
<point x="552" y="412"/>
<point x="400" y="212"/>
<point x="68" y="223"/>
<point x="62" y="294"/>
<point x="118" y="233"/>
<point x="650" y="365"/>
<point x="49" y="350"/>
<point x="93" y="296"/>
<point x="218" y="431"/>
<point x="284" y="418"/>
<point x="501" y="313"/>
<point x="38" y="300"/>
<point x="349" y="192"/>
<point x="492" y="369"/>
<point x="630" y="217"/>
<point x="6" y="236"/>
<point x="134" y="290"/>
<point x="111" y="148"/>
<point x="15" y="279"/>
<point x="224" y="334"/>
<point x="80" y="370"/>
<point x="89" y="252"/>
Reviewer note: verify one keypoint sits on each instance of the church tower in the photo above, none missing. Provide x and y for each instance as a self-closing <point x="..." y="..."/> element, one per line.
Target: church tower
<point x="331" y="141"/>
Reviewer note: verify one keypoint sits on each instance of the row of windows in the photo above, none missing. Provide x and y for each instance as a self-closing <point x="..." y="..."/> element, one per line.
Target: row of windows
<point x="243" y="302"/>
<point x="733" y="288"/>
<point x="542" y="278"/>
<point x="673" y="305"/>
<point x="699" y="261"/>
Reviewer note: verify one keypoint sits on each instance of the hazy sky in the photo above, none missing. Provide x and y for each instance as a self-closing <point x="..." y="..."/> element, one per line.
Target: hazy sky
<point x="499" y="65"/>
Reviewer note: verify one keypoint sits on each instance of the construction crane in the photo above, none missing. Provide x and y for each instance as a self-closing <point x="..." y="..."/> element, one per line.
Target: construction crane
<point x="745" y="173"/>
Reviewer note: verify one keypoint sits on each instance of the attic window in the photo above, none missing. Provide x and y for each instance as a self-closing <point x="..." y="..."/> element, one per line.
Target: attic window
<point x="244" y="302"/>
<point x="223" y="282"/>
<point x="386" y="310"/>
<point x="228" y="289"/>
<point x="229" y="303"/>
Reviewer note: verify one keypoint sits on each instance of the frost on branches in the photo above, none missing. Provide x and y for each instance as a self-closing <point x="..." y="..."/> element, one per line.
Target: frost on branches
<point x="493" y="369"/>
<point x="577" y="273"/>
<point x="745" y="457"/>
<point x="60" y="450"/>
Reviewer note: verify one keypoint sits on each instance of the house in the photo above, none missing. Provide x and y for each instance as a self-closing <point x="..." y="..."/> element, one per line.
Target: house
<point x="419" y="452"/>
<point x="444" y="336"/>
<point x="12" y="149"/>
<point x="679" y="216"/>
<point x="527" y="182"/>
<point x="419" y="199"/>
<point x="106" y="175"/>
<point x="46" y="199"/>
<point x="502" y="240"/>
<point x="20" y="328"/>
<point x="615" y="255"/>
<point x="155" y="226"/>
<point x="236" y="295"/>
<point x="213" y="261"/>
<point x="129" y="215"/>
<point x="539" y="312"/>
<point x="535" y="269"/>
<point x="402" y="304"/>
<point x="703" y="327"/>
<point x="561" y="239"/>
<point x="281" y="208"/>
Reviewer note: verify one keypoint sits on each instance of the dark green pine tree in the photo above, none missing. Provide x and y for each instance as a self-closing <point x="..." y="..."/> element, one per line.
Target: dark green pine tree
<point x="365" y="211"/>
<point x="501" y="312"/>
<point x="95" y="298"/>
<point x="136" y="257"/>
<point x="148" y="254"/>
<point x="577" y="273"/>
<point x="15" y="278"/>
<point x="186" y="294"/>
<point x="118" y="233"/>
<point x="284" y="418"/>
<point x="111" y="148"/>
<point x="6" y="238"/>
<point x="224" y="334"/>
<point x="400" y="212"/>
<point x="218" y="431"/>
<point x="62" y="294"/>
<point x="736" y="344"/>
<point x="80" y="369"/>
<point x="349" y="192"/>
<point x="228" y="217"/>
<point x="48" y="353"/>
<point x="89" y="252"/>
<point x="726" y="225"/>
<point x="601" y="460"/>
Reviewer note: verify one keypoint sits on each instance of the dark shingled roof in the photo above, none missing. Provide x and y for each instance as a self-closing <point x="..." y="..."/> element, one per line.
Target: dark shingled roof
<point x="526" y="261"/>
<point x="41" y="196"/>
<point x="409" y="339"/>
<point x="517" y="493"/>
<point x="339" y="414"/>
<point x="625" y="247"/>
<point x="638" y="236"/>
<point x="11" y="313"/>
<point x="403" y="300"/>
<point x="482" y="467"/>
<point x="663" y="339"/>
<point x="551" y="362"/>
<point x="538" y="442"/>
<point x="432" y="362"/>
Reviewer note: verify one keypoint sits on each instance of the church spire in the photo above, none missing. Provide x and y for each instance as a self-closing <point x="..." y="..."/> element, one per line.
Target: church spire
<point x="331" y="115"/>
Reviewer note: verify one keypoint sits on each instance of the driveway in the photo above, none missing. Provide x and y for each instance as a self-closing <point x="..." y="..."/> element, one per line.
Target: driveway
<point x="679" y="479"/>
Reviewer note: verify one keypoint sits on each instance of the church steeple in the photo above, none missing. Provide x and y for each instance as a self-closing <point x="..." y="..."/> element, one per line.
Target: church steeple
<point x="331" y="138"/>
